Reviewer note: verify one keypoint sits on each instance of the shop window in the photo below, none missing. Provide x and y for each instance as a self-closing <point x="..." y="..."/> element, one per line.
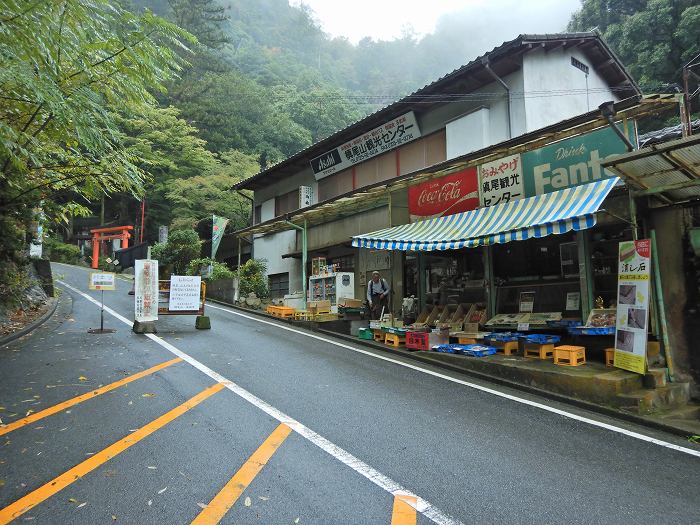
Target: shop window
<point x="257" y="216"/>
<point x="278" y="284"/>
<point x="286" y="203"/>
<point x="455" y="277"/>
<point x="345" y="263"/>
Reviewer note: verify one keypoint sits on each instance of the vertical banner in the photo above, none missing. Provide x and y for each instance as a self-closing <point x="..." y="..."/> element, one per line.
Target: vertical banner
<point x="218" y="226"/>
<point x="632" y="305"/>
<point x="145" y="290"/>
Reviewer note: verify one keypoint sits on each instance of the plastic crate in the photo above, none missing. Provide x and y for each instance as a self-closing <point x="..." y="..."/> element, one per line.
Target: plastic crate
<point x="365" y="333"/>
<point x="417" y="340"/>
<point x="541" y="339"/>
<point x="504" y="337"/>
<point x="591" y="330"/>
<point x="467" y="350"/>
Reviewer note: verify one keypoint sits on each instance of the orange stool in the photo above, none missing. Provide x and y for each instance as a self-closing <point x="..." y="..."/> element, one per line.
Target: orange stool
<point x="505" y="347"/>
<point x="567" y="355"/>
<point x="538" y="351"/>
<point x="466" y="340"/>
<point x="378" y="334"/>
<point x="609" y="356"/>
<point x="394" y="340"/>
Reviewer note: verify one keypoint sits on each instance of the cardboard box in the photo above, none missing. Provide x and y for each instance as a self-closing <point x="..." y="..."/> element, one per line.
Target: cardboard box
<point x="347" y="302"/>
<point x="318" y="307"/>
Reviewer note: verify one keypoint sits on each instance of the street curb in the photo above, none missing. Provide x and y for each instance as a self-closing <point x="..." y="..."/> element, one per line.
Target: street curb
<point x="33" y="325"/>
<point x="415" y="356"/>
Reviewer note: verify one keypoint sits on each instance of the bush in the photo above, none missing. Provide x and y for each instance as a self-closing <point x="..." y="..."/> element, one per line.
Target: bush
<point x="219" y="269"/>
<point x="58" y="251"/>
<point x="183" y="247"/>
<point x="253" y="278"/>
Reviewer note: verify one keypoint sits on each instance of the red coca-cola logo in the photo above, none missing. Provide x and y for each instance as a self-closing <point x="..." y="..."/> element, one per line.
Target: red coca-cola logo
<point x="447" y="195"/>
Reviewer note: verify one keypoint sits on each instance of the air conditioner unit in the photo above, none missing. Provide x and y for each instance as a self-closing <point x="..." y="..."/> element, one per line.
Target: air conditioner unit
<point x="306" y="196"/>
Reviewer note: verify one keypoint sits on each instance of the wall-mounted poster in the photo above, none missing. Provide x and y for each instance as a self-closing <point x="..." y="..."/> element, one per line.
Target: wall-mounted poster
<point x="501" y="181"/>
<point x="632" y="305"/>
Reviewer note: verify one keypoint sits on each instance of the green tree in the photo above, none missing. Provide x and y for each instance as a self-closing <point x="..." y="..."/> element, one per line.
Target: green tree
<point x="66" y="66"/>
<point x="182" y="247"/>
<point x="210" y="193"/>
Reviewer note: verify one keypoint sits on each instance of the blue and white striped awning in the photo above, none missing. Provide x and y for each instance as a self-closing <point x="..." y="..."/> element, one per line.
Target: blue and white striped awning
<point x="551" y="213"/>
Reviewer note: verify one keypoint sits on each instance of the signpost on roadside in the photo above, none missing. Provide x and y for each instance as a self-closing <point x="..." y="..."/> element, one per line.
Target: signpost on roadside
<point x="102" y="281"/>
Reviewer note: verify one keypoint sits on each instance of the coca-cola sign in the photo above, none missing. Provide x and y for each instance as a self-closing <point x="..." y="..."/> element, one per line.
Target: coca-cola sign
<point x="447" y="195"/>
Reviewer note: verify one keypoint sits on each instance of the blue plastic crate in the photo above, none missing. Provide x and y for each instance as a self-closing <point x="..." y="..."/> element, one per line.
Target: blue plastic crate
<point x="541" y="339"/>
<point x="564" y="323"/>
<point x="504" y="337"/>
<point x="589" y="330"/>
<point x="468" y="350"/>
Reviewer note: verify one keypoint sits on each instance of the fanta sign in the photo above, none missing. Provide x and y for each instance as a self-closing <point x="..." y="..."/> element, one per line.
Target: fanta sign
<point x="447" y="195"/>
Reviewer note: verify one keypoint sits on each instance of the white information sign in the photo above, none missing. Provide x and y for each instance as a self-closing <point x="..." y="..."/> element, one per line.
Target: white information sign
<point x="501" y="181"/>
<point x="184" y="293"/>
<point x="102" y="281"/>
<point x="145" y="290"/>
<point x="375" y="142"/>
<point x="632" y="305"/>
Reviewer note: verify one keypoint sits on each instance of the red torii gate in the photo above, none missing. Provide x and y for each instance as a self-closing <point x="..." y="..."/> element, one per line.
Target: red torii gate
<point x="108" y="234"/>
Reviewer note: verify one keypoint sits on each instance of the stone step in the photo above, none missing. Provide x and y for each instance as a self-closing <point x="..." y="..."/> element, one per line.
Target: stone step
<point x="655" y="378"/>
<point x="646" y="401"/>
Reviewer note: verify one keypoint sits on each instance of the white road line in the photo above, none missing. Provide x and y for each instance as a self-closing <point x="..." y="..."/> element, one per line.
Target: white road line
<point x="475" y="386"/>
<point x="359" y="466"/>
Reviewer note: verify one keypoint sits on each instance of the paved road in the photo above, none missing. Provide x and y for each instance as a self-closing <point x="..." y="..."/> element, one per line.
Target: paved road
<point x="252" y="422"/>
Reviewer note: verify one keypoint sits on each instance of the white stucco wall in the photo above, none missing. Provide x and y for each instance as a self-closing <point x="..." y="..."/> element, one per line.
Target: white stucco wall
<point x="271" y="248"/>
<point x="555" y="90"/>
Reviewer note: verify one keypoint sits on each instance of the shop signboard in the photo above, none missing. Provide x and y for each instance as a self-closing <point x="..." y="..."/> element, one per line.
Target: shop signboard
<point x="384" y="138"/>
<point x="501" y="181"/>
<point x="571" y="162"/>
<point x="454" y="193"/>
<point x="145" y="290"/>
<point x="184" y="293"/>
<point x="632" y="305"/>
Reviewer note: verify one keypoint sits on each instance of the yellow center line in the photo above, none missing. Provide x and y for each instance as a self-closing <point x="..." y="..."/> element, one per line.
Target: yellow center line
<point x="404" y="510"/>
<point x="6" y="429"/>
<point x="57" y="484"/>
<point x="228" y="495"/>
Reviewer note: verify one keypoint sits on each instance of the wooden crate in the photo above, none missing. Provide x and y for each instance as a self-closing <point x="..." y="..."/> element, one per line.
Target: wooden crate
<point x="283" y="312"/>
<point x="567" y="355"/>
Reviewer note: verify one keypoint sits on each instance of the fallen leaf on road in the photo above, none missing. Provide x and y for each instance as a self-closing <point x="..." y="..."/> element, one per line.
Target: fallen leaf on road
<point x="2" y="482"/>
<point x="152" y="468"/>
<point x="162" y="490"/>
<point x="82" y="378"/>
<point x="82" y="504"/>
<point x="202" y="505"/>
<point x="114" y="517"/>
<point x="30" y="411"/>
<point x="263" y="498"/>
<point x="150" y="502"/>
<point x="296" y="520"/>
<point x="72" y="500"/>
<point x="147" y="395"/>
<point x="131" y="402"/>
<point x="247" y="502"/>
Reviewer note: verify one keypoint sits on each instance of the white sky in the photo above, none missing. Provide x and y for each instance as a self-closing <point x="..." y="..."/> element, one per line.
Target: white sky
<point x="385" y="19"/>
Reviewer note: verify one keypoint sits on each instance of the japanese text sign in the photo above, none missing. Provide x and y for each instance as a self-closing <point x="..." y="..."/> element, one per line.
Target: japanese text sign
<point x="185" y="293"/>
<point x="102" y="281"/>
<point x="454" y="193"/>
<point x="145" y="290"/>
<point x="632" y="305"/>
<point x="379" y="140"/>
<point x="501" y="181"/>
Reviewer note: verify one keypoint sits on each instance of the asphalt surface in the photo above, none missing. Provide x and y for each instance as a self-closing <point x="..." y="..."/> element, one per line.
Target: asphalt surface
<point x="363" y="427"/>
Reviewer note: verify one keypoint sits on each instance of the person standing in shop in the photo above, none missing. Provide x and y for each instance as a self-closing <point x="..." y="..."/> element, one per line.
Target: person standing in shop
<point x="377" y="293"/>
